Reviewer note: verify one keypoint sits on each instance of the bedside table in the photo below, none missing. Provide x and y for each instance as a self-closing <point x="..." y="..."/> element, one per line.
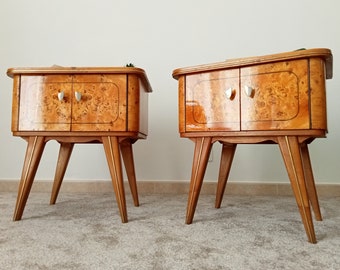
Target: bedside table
<point x="79" y="105"/>
<point x="277" y="98"/>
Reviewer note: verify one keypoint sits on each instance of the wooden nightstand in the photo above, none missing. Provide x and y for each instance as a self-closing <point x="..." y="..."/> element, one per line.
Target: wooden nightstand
<point x="79" y="105"/>
<point x="276" y="98"/>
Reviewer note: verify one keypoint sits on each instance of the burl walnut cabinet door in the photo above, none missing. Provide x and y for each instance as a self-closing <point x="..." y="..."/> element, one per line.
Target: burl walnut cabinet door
<point x="212" y="101"/>
<point x="102" y="104"/>
<point x="275" y="96"/>
<point x="40" y="108"/>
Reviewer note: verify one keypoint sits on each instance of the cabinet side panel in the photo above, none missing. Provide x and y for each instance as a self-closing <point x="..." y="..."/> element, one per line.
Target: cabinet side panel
<point x="137" y="109"/>
<point x="181" y="104"/>
<point x="318" y="93"/>
<point x="133" y="103"/>
<point x="15" y="103"/>
<point x="144" y="105"/>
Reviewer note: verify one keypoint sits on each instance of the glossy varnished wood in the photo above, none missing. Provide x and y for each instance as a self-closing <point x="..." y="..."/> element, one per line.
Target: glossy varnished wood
<point x="65" y="152"/>
<point x="112" y="110"/>
<point x="111" y="146"/>
<point x="310" y="183"/>
<point x="227" y="156"/>
<point x="291" y="154"/>
<point x="285" y="104"/>
<point x="34" y="150"/>
<point x="201" y="157"/>
<point x="127" y="154"/>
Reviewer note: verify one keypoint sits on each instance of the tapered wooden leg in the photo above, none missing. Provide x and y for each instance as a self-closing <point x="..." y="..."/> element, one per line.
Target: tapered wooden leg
<point x="111" y="147"/>
<point x="227" y="156"/>
<point x="201" y="157"/>
<point x="126" y="149"/>
<point x="63" y="159"/>
<point x="35" y="148"/>
<point x="290" y="150"/>
<point x="310" y="183"/>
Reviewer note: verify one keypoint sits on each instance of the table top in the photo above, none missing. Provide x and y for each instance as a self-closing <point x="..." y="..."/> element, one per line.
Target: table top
<point x="326" y="54"/>
<point x="11" y="72"/>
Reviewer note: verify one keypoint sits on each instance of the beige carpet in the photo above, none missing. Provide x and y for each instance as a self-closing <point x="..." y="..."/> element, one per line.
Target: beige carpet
<point x="85" y="232"/>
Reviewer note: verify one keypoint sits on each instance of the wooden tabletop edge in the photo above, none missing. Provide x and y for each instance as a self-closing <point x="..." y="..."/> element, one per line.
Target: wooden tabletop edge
<point x="248" y="61"/>
<point x="11" y="72"/>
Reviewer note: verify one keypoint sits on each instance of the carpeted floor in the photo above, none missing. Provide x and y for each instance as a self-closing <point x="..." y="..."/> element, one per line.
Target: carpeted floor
<point x="84" y="231"/>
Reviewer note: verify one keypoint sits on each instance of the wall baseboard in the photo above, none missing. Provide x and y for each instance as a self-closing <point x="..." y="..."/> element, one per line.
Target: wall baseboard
<point x="172" y="187"/>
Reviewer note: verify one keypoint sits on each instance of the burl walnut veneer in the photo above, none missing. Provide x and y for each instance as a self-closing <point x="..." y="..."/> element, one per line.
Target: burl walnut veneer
<point x="276" y="98"/>
<point x="79" y="105"/>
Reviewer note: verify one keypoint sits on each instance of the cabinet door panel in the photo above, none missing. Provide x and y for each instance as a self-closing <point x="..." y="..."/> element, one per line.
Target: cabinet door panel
<point x="280" y="98"/>
<point x="212" y="101"/>
<point x="39" y="106"/>
<point x="102" y="106"/>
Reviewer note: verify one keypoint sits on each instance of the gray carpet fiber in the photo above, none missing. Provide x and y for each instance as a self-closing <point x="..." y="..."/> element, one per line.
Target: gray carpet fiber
<point x="84" y="231"/>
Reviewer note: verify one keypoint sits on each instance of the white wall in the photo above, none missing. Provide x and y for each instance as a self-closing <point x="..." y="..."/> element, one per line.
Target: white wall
<point x="160" y="36"/>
